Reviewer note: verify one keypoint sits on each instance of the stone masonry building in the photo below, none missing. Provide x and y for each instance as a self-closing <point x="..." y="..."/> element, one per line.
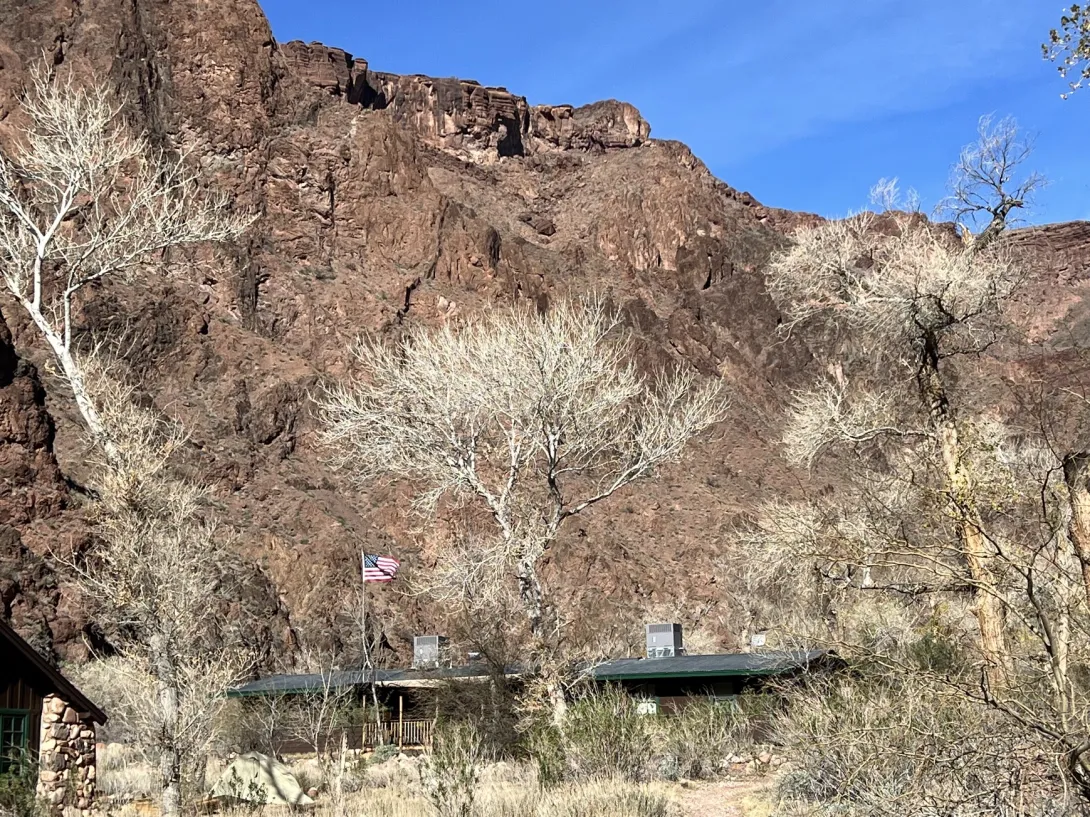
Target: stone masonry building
<point x="43" y="717"/>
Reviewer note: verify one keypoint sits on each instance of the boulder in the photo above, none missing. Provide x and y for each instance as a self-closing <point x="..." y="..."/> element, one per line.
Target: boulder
<point x="257" y="778"/>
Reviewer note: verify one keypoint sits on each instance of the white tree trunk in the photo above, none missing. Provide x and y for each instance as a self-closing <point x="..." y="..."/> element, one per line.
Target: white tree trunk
<point x="74" y="377"/>
<point x="1077" y="478"/>
<point x="170" y="761"/>
<point x="987" y="607"/>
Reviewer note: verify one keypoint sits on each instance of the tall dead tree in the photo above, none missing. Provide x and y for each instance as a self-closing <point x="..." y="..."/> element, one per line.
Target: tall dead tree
<point x="988" y="184"/>
<point x="533" y="418"/>
<point x="911" y="296"/>
<point x="83" y="199"/>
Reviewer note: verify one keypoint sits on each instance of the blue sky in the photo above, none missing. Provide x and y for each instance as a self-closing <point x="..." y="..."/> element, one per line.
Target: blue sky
<point x="803" y="104"/>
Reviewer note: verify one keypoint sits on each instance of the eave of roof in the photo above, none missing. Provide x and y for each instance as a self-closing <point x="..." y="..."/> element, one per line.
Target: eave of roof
<point x="407" y="679"/>
<point x="73" y="696"/>
<point x="622" y="669"/>
<point x="706" y="666"/>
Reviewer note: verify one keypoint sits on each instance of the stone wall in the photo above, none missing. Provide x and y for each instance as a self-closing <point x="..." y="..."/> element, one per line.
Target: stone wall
<point x="66" y="780"/>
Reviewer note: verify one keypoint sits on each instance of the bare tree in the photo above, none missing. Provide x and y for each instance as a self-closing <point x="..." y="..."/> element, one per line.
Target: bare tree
<point x="912" y="297"/>
<point x="531" y="418"/>
<point x="1076" y="471"/>
<point x="154" y="582"/>
<point x="317" y="715"/>
<point x="367" y="625"/>
<point x="128" y="683"/>
<point x="894" y="586"/>
<point x="1070" y="46"/>
<point x="83" y="199"/>
<point x="988" y="183"/>
<point x="951" y="556"/>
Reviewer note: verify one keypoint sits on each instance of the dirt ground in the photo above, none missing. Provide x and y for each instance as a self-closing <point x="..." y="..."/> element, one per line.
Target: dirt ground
<point x="734" y="798"/>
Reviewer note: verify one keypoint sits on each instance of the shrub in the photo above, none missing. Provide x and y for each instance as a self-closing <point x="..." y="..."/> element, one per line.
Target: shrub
<point x="384" y="752"/>
<point x="872" y="746"/>
<point x="18" y="789"/>
<point x="546" y="746"/>
<point x="605" y="735"/>
<point x="248" y="795"/>
<point x="698" y="741"/>
<point x="450" y="774"/>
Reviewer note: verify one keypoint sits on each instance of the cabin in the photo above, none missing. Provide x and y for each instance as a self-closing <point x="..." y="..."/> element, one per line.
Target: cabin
<point x="665" y="680"/>
<point x="45" y="719"/>
<point x="409" y="699"/>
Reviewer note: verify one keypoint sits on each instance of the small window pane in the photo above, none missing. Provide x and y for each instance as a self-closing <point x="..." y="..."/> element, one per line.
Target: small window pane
<point x="13" y="738"/>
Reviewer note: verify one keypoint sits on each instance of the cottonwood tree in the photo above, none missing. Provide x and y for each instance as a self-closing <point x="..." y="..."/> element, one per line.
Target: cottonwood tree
<point x="84" y="199"/>
<point x="908" y="300"/>
<point x="886" y="554"/>
<point x="1069" y="45"/>
<point x="154" y="583"/>
<point x="945" y="513"/>
<point x="533" y="418"/>
<point x="989" y="182"/>
<point x="911" y="296"/>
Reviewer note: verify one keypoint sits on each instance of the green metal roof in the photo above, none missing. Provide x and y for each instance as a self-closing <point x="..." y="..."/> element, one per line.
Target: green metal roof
<point x="706" y="666"/>
<point x="295" y="684"/>
<point x="621" y="669"/>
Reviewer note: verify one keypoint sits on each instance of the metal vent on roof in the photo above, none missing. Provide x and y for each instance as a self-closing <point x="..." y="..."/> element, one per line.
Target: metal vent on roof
<point x="429" y="651"/>
<point x="664" y="640"/>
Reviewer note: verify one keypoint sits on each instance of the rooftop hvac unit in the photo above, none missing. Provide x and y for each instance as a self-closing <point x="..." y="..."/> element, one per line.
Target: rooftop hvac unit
<point x="664" y="640"/>
<point x="428" y="651"/>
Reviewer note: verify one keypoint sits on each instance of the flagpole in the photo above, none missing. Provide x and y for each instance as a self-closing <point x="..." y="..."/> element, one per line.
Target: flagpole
<point x="368" y="666"/>
<point x="363" y="615"/>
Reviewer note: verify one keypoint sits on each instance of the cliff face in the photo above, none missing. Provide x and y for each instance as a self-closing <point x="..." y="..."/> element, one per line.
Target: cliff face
<point x="385" y="201"/>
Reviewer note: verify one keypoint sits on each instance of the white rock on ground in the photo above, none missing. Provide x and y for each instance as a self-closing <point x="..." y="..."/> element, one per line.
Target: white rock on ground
<point x="252" y="775"/>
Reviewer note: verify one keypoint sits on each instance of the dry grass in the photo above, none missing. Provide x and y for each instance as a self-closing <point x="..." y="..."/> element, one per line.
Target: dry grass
<point x="123" y="774"/>
<point x="392" y="789"/>
<point x="598" y="799"/>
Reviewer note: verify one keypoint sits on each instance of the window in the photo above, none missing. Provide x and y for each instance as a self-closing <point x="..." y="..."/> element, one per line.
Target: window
<point x="13" y="737"/>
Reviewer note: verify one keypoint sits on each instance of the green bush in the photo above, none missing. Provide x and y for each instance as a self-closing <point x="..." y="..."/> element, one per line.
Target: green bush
<point x="546" y="746"/>
<point x="605" y="735"/>
<point x="451" y="772"/>
<point x="250" y="795"/>
<point x="698" y="741"/>
<point x="18" y="789"/>
<point x="384" y="752"/>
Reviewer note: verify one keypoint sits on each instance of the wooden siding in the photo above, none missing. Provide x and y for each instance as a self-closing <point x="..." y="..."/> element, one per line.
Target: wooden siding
<point x="22" y="690"/>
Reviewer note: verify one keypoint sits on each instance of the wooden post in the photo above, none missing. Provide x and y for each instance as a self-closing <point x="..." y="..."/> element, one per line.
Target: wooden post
<point x="400" y="720"/>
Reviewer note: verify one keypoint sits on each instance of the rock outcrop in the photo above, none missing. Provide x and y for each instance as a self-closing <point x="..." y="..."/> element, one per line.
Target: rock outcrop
<point x="385" y="201"/>
<point x="463" y="116"/>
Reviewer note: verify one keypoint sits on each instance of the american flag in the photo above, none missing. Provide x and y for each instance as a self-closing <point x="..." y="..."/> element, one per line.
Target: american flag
<point x="379" y="568"/>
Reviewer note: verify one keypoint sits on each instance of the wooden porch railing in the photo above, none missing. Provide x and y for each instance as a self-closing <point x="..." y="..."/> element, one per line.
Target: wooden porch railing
<point x="401" y="733"/>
